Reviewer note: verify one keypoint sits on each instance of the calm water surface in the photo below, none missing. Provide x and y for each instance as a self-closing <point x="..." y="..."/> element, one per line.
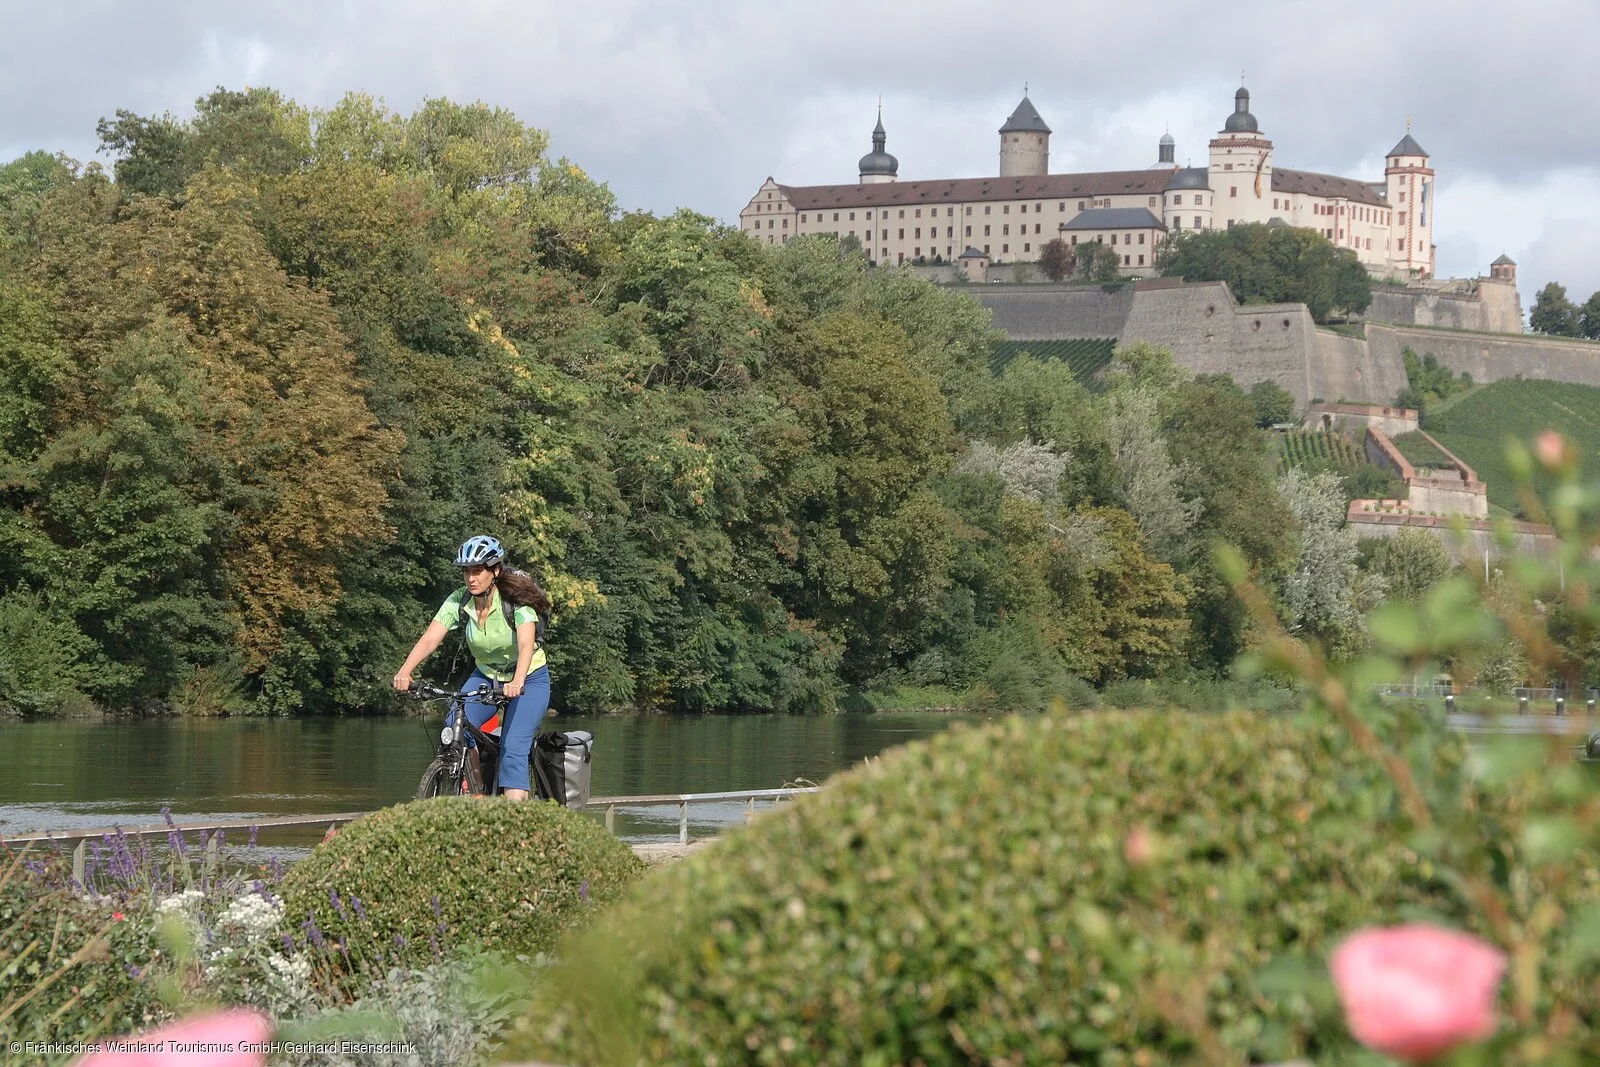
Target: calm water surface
<point x="64" y="775"/>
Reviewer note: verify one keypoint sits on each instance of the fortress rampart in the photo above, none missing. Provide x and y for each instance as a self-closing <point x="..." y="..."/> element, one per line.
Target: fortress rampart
<point x="1210" y="333"/>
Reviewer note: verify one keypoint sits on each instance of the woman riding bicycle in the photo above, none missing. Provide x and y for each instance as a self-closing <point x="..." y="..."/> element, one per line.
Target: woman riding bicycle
<point x="501" y="653"/>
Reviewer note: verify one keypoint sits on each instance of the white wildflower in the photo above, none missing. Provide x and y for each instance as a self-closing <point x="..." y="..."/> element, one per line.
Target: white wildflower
<point x="251" y="917"/>
<point x="184" y="903"/>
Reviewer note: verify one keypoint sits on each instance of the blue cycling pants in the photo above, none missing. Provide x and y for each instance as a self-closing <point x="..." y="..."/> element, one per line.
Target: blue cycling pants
<point x="522" y="719"/>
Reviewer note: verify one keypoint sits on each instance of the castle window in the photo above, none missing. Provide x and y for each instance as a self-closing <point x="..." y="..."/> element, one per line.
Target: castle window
<point x="1233" y="190"/>
<point x="985" y="249"/>
<point x="1152" y="201"/>
<point x="1177" y="223"/>
<point x="1402" y="218"/>
<point x="1113" y="239"/>
<point x="1227" y="166"/>
<point x="919" y="212"/>
<point x="986" y="209"/>
<point x="1006" y="210"/>
<point x="969" y="209"/>
<point x="802" y="218"/>
<point x="852" y="216"/>
<point x="869" y="216"/>
<point x="1177" y="199"/>
<point x="1006" y="229"/>
<point x="1125" y="260"/>
<point x="1402" y="197"/>
<point x="769" y="224"/>
<point x="969" y="232"/>
<point x="902" y="233"/>
<point x="1274" y="203"/>
<point x="1005" y="248"/>
<point x="1036" y="227"/>
<point x="1197" y="222"/>
<point x="883" y="235"/>
<point x="1074" y="239"/>
<point x="902" y="212"/>
<point x="949" y="231"/>
<point x="835" y="216"/>
<point x="919" y="232"/>
<point x="786" y="224"/>
<point x="1080" y="205"/>
<point x="917" y="251"/>
<point x="986" y="231"/>
<point x="1141" y="238"/>
<point x="1061" y="206"/>
<point x="1027" y="248"/>
<point x="1141" y="259"/>
<point x="1023" y="209"/>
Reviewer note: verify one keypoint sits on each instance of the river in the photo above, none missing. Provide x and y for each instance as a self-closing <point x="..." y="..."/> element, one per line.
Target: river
<point x="78" y="774"/>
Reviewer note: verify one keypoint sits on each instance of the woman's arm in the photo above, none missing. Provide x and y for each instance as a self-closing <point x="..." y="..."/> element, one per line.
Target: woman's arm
<point x="525" y="646"/>
<point x="426" y="645"/>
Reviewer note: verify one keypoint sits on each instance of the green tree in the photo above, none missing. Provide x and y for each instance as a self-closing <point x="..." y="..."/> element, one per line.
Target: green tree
<point x="1273" y="403"/>
<point x="1589" y="317"/>
<point x="1410" y="563"/>
<point x="1271" y="264"/>
<point x="1055" y="259"/>
<point x="1553" y="313"/>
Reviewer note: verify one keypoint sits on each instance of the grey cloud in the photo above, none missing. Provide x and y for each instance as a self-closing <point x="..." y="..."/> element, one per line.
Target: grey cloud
<point x="679" y="102"/>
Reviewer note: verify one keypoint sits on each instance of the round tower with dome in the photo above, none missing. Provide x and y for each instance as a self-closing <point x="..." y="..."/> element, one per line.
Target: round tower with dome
<point x="1024" y="142"/>
<point x="878" y="165"/>
<point x="1241" y="167"/>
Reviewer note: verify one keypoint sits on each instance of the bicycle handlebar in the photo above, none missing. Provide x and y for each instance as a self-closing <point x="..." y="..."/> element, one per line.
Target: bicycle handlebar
<point x="421" y="690"/>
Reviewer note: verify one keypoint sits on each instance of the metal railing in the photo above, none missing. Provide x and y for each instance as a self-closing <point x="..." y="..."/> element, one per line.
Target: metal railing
<point x="213" y="842"/>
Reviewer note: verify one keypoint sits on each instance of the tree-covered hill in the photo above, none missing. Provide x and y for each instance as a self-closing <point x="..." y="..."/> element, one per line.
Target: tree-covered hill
<point x="259" y="380"/>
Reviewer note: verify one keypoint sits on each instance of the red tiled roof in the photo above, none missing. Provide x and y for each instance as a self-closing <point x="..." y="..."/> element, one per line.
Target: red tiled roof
<point x="954" y="190"/>
<point x="1311" y="183"/>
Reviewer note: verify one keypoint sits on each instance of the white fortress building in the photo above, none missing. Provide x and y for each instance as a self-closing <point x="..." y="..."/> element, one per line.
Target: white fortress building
<point x="1387" y="223"/>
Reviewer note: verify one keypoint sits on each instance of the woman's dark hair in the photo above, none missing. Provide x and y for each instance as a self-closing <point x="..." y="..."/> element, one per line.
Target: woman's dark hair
<point x="520" y="587"/>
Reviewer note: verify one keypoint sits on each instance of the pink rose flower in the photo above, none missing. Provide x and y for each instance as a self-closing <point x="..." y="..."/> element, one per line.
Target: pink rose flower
<point x="1415" y="992"/>
<point x="173" y="1045"/>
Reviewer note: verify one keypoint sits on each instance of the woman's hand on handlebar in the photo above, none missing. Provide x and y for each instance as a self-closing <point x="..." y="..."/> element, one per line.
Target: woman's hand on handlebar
<point x="402" y="681"/>
<point x="513" y="689"/>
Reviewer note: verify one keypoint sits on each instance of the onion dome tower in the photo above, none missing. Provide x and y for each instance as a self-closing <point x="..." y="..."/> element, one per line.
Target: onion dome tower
<point x="878" y="165"/>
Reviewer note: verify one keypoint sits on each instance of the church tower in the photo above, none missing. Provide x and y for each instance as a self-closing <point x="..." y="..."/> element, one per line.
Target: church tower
<point x="1408" y="181"/>
<point x="1241" y="168"/>
<point x="878" y="165"/>
<point x="1024" y="142"/>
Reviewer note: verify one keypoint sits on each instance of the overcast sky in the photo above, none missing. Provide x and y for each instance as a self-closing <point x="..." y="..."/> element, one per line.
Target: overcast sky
<point x="694" y="102"/>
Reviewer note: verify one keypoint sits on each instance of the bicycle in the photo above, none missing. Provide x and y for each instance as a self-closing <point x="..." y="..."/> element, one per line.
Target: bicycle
<point x="462" y="769"/>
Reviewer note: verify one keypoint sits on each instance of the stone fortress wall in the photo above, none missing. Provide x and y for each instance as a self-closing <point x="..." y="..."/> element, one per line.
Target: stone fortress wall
<point x="1210" y="333"/>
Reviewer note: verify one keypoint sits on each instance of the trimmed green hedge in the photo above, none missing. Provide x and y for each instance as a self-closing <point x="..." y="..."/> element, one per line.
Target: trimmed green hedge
<point x="968" y="900"/>
<point x="437" y="878"/>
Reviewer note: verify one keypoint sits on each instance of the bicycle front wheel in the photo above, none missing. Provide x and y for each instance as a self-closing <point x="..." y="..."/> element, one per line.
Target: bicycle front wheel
<point x="437" y="782"/>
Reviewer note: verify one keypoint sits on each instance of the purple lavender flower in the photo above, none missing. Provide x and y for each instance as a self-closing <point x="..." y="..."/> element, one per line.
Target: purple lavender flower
<point x="288" y="942"/>
<point x="313" y="934"/>
<point x="344" y="948"/>
<point x="583" y="890"/>
<point x="400" y="941"/>
<point x="338" y="905"/>
<point x="438" y="953"/>
<point x="254" y="830"/>
<point x="438" y="911"/>
<point x="361" y="909"/>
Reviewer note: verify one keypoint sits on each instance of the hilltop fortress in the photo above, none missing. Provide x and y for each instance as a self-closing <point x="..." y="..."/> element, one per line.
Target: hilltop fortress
<point x="1387" y="223"/>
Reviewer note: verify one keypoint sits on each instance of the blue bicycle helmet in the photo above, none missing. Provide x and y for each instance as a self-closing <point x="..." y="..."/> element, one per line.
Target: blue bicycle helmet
<point x="480" y="551"/>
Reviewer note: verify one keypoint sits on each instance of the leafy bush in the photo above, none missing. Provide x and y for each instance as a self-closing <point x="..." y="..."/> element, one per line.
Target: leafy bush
<point x="454" y="875"/>
<point x="70" y="969"/>
<point x="41" y="666"/>
<point x="977" y="898"/>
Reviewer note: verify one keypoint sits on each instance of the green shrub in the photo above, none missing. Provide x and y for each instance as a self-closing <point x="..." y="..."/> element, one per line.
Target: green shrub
<point x="437" y="878"/>
<point x="969" y="900"/>
<point x="105" y="986"/>
<point x="42" y="669"/>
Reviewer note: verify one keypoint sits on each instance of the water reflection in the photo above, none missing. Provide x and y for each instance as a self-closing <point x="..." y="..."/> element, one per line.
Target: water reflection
<point x="65" y="775"/>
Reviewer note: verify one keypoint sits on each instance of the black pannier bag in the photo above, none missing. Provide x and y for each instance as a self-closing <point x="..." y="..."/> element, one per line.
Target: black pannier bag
<point x="561" y="766"/>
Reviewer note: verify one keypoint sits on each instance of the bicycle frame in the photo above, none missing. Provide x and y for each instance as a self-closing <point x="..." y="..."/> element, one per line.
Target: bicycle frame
<point x="458" y="768"/>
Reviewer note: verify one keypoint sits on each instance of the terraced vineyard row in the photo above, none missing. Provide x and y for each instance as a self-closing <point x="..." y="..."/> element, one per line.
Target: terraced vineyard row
<point x="1320" y="449"/>
<point x="1086" y="357"/>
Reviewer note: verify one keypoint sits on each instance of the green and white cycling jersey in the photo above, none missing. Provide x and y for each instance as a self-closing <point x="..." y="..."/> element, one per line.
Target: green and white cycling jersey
<point x="494" y="644"/>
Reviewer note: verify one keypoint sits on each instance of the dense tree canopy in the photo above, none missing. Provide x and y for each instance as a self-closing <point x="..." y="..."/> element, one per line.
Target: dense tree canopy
<point x="258" y="383"/>
<point x="1271" y="265"/>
